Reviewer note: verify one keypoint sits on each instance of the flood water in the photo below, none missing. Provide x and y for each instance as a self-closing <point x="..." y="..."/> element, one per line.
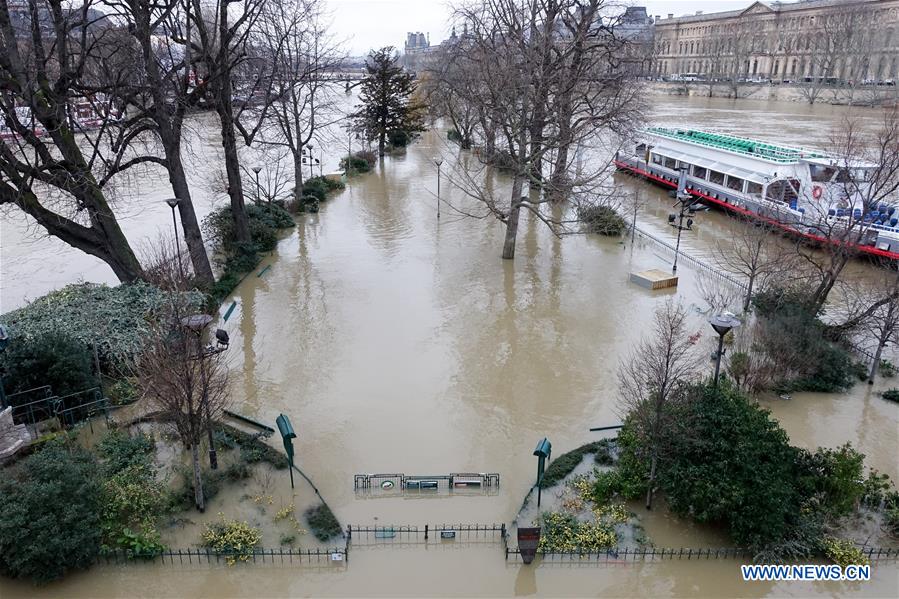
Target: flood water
<point x="397" y="343"/>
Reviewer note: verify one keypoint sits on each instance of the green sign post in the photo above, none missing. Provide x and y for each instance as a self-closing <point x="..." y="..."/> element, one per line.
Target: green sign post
<point x="543" y="451"/>
<point x="287" y="436"/>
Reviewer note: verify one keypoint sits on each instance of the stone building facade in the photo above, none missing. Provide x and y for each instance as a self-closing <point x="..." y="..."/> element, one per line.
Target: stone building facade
<point x="838" y="41"/>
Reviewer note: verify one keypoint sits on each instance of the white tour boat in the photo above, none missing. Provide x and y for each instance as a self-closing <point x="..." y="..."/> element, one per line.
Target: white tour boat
<point x="808" y="193"/>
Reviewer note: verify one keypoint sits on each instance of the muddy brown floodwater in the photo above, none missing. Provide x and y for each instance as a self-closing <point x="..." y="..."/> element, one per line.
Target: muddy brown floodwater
<point x="397" y="343"/>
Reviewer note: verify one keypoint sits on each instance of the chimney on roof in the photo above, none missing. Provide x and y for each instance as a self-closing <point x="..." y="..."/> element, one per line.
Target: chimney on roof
<point x="658" y="18"/>
<point x="671" y="15"/>
<point x="698" y="12"/>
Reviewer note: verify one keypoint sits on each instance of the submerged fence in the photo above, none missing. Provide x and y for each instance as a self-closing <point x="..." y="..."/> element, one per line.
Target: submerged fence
<point x="687" y="553"/>
<point x="209" y="556"/>
<point x="695" y="262"/>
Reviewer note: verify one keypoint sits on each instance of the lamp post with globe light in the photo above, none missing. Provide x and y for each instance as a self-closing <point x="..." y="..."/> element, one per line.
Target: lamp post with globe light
<point x="723" y="324"/>
<point x="173" y="203"/>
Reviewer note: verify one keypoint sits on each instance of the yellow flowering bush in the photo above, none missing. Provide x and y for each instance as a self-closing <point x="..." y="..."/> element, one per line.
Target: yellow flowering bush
<point x="844" y="552"/>
<point x="235" y="539"/>
<point x="564" y="533"/>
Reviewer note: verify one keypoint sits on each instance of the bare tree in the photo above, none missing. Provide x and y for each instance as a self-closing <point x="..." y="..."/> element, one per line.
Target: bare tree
<point x="185" y="381"/>
<point x="756" y="255"/>
<point x="867" y="175"/>
<point x="156" y="82"/>
<point x="222" y="47"/>
<point x="44" y="53"/>
<point x="299" y="100"/>
<point x="830" y="47"/>
<point x="552" y="78"/>
<point x="651" y="378"/>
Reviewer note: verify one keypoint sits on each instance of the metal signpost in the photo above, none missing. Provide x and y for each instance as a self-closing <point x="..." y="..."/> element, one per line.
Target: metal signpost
<point x="287" y="436"/>
<point x="543" y="451"/>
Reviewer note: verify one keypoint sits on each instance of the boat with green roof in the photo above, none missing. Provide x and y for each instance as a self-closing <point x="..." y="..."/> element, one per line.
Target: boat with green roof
<point x="816" y="195"/>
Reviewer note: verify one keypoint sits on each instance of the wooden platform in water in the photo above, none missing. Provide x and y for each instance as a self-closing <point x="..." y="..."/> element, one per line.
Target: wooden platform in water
<point x="654" y="279"/>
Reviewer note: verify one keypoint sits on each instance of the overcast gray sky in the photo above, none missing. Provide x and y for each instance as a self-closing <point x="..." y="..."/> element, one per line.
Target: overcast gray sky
<point x="366" y="24"/>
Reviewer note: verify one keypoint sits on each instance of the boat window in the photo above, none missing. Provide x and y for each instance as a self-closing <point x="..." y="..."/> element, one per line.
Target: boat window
<point x="822" y="174"/>
<point x="657" y="159"/>
<point x="641" y="149"/>
<point x="753" y="188"/>
<point x="671" y="163"/>
<point x="716" y="177"/>
<point x="844" y="176"/>
<point x="734" y="183"/>
<point x="700" y="172"/>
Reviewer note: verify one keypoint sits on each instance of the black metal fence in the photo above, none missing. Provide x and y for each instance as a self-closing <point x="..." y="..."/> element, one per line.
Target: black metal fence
<point x="695" y="262"/>
<point x="367" y="535"/>
<point x="687" y="553"/>
<point x="189" y="556"/>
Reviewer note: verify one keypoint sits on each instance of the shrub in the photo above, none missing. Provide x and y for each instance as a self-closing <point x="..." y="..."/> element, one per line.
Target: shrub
<point x="329" y="184"/>
<point x="844" y="552"/>
<point x="734" y="466"/>
<point x="77" y="312"/>
<point x="606" y="486"/>
<point x="564" y="533"/>
<point x="236" y="540"/>
<point x="48" y="359"/>
<point x="359" y="162"/>
<point x="123" y="391"/>
<point x="563" y="465"/>
<point x="322" y="522"/>
<point x="311" y="204"/>
<point x="252" y="448"/>
<point x="133" y="502"/>
<point x="833" y="477"/>
<point x="793" y="338"/>
<point x="120" y="451"/>
<point x="891" y="395"/>
<point x="887" y="369"/>
<point x="50" y="517"/>
<point x="603" y="220"/>
<point x="264" y="221"/>
<point x="316" y="188"/>
<point x="399" y="138"/>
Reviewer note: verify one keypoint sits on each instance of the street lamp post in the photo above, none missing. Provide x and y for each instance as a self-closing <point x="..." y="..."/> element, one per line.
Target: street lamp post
<point x="438" y="160"/>
<point x="683" y="199"/>
<point x="4" y="342"/>
<point x="723" y="324"/>
<point x="311" y="160"/>
<point x="173" y="203"/>
<point x="256" y="170"/>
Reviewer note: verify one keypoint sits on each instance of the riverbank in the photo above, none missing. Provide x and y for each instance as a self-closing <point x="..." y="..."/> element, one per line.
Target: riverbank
<point x="763" y="92"/>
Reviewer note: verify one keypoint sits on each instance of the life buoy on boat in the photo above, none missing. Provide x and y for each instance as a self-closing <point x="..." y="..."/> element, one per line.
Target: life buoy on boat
<point x="817" y="192"/>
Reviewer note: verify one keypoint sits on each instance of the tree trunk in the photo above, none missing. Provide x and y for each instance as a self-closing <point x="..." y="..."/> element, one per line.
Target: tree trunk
<point x="512" y="221"/>
<point x="880" y="343"/>
<point x="298" y="177"/>
<point x="652" y="479"/>
<point x="189" y="224"/>
<point x="748" y="298"/>
<point x="229" y="142"/>
<point x="199" y="498"/>
<point x="232" y="164"/>
<point x="168" y="126"/>
<point x="382" y="139"/>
